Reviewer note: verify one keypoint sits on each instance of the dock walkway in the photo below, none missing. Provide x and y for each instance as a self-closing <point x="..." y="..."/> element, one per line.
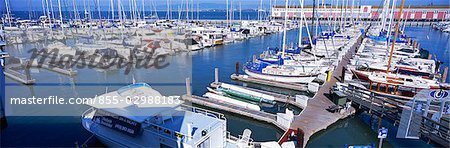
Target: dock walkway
<point x="17" y="76"/>
<point x="315" y="117"/>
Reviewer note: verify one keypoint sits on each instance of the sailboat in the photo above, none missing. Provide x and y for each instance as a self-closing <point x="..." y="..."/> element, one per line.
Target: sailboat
<point x="275" y="69"/>
<point x="397" y="85"/>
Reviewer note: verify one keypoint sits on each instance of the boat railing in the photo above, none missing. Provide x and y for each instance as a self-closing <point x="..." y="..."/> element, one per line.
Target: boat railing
<point x="171" y="134"/>
<point x="86" y="113"/>
<point x="435" y="130"/>
<point x="204" y="112"/>
<point x="236" y="139"/>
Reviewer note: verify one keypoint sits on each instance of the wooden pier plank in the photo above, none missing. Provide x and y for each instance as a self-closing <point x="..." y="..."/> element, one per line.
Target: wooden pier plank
<point x="315" y="117"/>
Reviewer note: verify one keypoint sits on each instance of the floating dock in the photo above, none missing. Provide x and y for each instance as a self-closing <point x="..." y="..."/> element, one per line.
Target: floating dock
<point x="20" y="77"/>
<point x="224" y="106"/>
<point x="315" y="117"/>
<point x="278" y="97"/>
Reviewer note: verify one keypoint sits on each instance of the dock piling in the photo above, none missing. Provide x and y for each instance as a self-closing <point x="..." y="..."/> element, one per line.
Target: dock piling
<point x="216" y="75"/>
<point x="27" y="70"/>
<point x="444" y="75"/>
<point x="188" y="87"/>
<point x="237" y="69"/>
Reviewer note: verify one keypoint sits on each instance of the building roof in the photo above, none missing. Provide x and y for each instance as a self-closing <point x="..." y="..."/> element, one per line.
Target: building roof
<point x="356" y="7"/>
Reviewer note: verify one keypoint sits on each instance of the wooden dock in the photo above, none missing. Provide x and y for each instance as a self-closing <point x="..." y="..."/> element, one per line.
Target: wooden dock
<point x="315" y="117"/>
<point x="290" y="86"/>
<point x="220" y="105"/>
<point x="18" y="76"/>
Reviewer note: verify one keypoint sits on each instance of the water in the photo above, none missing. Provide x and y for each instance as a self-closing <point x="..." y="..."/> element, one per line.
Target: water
<point x="66" y="130"/>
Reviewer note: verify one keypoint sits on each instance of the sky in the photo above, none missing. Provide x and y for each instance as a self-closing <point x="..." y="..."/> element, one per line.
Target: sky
<point x="25" y="5"/>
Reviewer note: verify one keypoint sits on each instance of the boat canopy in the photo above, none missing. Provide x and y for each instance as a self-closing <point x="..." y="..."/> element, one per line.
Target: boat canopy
<point x="127" y="105"/>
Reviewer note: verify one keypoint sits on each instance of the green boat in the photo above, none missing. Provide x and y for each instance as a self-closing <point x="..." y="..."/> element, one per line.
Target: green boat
<point x="245" y="96"/>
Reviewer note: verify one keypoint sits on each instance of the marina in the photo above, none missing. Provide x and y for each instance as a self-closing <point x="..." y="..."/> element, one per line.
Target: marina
<point x="289" y="74"/>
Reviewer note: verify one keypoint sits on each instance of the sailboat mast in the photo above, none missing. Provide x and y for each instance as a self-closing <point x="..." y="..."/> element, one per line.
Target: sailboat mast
<point x="309" y="34"/>
<point x="285" y="28"/>
<point x="231" y="12"/>
<point x="227" y="13"/>
<point x="317" y="17"/>
<point x="406" y="18"/>
<point x="391" y="20"/>
<point x="8" y="13"/>
<point x="60" y="15"/>
<point x="187" y="10"/>
<point x="345" y="14"/>
<point x="112" y="9"/>
<point x="99" y="11"/>
<point x="313" y="13"/>
<point x="198" y="10"/>
<point x="136" y="11"/>
<point x="143" y="9"/>
<point x="51" y="8"/>
<point x="352" y="17"/>
<point x="384" y="16"/>
<point x="167" y="11"/>
<point x="260" y="11"/>
<point x="240" y="11"/>
<point x="192" y="8"/>
<point x="43" y="7"/>
<point x="395" y="36"/>
<point x="300" y="30"/>
<point x="48" y="12"/>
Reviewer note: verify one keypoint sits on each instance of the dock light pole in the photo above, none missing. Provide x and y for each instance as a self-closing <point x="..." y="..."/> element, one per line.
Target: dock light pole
<point x="395" y="36"/>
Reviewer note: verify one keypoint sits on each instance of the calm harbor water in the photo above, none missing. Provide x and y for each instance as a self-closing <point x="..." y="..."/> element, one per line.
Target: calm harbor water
<point x="66" y="130"/>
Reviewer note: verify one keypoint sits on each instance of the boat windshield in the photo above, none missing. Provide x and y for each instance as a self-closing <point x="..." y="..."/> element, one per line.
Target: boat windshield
<point x="130" y="87"/>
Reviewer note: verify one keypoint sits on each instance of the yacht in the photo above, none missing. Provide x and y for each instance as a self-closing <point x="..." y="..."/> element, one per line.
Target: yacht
<point x="280" y="73"/>
<point x="129" y="124"/>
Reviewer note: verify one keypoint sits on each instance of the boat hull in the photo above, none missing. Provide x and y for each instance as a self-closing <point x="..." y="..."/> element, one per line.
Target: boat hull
<point x="293" y="79"/>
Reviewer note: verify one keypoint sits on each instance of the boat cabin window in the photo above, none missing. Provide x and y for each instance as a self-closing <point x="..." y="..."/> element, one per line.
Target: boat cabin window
<point x="407" y="50"/>
<point x="409" y="80"/>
